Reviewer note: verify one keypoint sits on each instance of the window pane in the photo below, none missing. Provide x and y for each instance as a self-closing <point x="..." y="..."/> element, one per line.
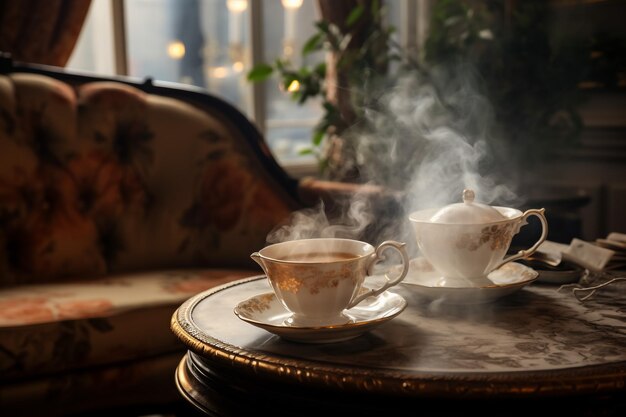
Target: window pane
<point x="287" y="26"/>
<point x="94" y="50"/>
<point x="198" y="42"/>
<point x="206" y="43"/>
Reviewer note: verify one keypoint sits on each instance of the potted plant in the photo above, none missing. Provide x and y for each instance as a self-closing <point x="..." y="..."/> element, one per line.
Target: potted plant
<point x="359" y="52"/>
<point x="521" y="103"/>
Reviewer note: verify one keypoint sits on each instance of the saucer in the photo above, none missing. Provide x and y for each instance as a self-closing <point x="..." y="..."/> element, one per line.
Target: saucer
<point x="510" y="277"/>
<point x="563" y="273"/>
<point x="265" y="311"/>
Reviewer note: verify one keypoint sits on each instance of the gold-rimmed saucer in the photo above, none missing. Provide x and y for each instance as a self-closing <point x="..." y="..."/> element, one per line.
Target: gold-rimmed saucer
<point x="265" y="311"/>
<point x="510" y="277"/>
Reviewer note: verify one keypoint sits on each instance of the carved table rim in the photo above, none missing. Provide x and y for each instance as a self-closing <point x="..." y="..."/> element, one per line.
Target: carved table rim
<point x="593" y="380"/>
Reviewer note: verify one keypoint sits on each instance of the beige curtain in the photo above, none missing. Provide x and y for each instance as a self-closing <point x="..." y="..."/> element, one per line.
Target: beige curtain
<point x="41" y="31"/>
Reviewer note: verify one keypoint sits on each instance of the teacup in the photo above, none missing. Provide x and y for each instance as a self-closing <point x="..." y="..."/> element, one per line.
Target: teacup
<point x="464" y="242"/>
<point x="318" y="279"/>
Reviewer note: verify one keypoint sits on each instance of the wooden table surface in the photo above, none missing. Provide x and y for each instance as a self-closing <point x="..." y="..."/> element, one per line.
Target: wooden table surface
<point x="538" y="344"/>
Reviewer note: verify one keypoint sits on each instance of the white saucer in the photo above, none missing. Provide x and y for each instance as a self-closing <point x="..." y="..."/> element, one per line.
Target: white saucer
<point x="425" y="281"/>
<point x="265" y="311"/>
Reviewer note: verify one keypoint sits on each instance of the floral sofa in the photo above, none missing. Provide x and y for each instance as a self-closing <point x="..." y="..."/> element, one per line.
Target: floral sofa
<point x="118" y="201"/>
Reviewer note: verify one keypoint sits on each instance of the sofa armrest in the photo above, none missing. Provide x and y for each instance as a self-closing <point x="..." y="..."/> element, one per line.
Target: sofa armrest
<point x="312" y="190"/>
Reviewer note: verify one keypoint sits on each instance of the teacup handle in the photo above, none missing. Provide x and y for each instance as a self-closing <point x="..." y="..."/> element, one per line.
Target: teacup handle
<point x="533" y="248"/>
<point x="390" y="282"/>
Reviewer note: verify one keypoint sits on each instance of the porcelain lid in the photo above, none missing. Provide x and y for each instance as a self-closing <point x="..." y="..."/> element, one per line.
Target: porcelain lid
<point x="467" y="212"/>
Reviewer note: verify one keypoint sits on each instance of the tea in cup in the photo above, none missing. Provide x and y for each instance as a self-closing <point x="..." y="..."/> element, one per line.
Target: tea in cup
<point x="317" y="279"/>
<point x="464" y="242"/>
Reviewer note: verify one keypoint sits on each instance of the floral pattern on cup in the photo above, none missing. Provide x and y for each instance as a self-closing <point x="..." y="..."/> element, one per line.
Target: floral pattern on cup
<point x="498" y="236"/>
<point x="466" y="241"/>
<point x="317" y="279"/>
<point x="310" y="278"/>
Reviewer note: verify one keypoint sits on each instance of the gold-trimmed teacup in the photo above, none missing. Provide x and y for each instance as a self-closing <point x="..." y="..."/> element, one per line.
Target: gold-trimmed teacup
<point x="317" y="279"/>
<point x="466" y="241"/>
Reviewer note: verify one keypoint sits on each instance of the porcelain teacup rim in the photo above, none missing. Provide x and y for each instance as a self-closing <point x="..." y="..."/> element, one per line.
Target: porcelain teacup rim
<point x="367" y="249"/>
<point x="319" y="290"/>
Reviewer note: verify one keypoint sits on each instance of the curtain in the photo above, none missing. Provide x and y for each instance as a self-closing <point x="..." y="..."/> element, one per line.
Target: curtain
<point x="42" y="32"/>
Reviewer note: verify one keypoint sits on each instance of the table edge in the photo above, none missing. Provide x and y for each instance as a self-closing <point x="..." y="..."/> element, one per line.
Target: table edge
<point x="586" y="380"/>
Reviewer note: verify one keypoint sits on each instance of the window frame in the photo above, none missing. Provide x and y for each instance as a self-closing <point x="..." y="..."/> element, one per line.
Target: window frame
<point x="413" y="28"/>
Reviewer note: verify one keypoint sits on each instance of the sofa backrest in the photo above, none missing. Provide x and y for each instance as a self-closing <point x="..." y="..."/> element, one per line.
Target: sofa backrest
<point x="102" y="176"/>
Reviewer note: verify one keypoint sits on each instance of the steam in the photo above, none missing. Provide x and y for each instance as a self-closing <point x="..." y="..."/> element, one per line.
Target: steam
<point x="440" y="138"/>
<point x="428" y="139"/>
<point x="316" y="223"/>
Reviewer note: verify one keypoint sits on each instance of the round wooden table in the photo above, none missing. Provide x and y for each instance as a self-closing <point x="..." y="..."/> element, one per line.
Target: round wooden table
<point x="529" y="351"/>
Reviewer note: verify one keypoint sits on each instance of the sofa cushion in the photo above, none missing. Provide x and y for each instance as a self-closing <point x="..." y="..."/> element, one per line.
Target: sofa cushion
<point x="118" y="201"/>
<point x="46" y="328"/>
<point x="102" y="177"/>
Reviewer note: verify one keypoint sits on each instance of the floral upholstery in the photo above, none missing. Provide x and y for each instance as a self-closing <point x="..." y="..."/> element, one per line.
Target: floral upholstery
<point x="116" y="205"/>
<point x="106" y="178"/>
<point x="46" y="328"/>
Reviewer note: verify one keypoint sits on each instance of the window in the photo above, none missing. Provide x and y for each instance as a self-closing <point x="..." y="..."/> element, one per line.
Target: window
<point x="212" y="44"/>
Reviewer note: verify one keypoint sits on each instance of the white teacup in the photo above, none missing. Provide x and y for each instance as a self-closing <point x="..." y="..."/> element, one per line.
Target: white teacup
<point x="464" y="242"/>
<point x="317" y="279"/>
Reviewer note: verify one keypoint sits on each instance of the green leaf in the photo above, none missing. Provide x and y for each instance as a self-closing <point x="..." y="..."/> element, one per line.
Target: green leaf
<point x="355" y="15"/>
<point x="306" y="151"/>
<point x="280" y="64"/>
<point x="304" y="72"/>
<point x="329" y="107"/>
<point x="320" y="69"/>
<point x="260" y="72"/>
<point x="318" y="136"/>
<point x="323" y="27"/>
<point x="313" y="44"/>
<point x="301" y="95"/>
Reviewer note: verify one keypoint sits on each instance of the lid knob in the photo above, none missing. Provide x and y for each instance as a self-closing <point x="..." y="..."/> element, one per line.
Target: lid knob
<point x="467" y="212"/>
<point x="468" y="196"/>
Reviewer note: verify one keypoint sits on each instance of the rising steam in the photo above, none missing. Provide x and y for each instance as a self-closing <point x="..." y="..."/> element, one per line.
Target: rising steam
<point x="440" y="138"/>
<point x="316" y="223"/>
<point x="427" y="138"/>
